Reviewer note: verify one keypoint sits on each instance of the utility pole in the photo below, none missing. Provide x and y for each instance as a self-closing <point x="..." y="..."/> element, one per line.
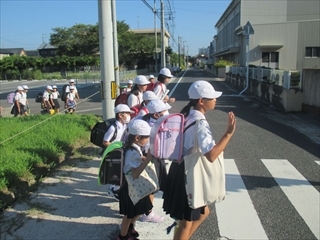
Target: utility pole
<point x="163" y="51"/>
<point x="115" y="45"/>
<point x="155" y="37"/>
<point x="106" y="57"/>
<point x="179" y="51"/>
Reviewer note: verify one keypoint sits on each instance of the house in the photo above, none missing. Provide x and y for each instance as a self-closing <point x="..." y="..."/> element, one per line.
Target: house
<point x="47" y="50"/>
<point x="4" y="52"/>
<point x="286" y="34"/>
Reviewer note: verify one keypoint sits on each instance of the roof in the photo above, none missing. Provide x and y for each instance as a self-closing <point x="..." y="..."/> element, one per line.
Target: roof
<point x="46" y="46"/>
<point x="270" y="46"/>
<point x="16" y="51"/>
<point x="150" y="31"/>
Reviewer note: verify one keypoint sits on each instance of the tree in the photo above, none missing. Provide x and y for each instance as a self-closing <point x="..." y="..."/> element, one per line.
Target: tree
<point x="77" y="40"/>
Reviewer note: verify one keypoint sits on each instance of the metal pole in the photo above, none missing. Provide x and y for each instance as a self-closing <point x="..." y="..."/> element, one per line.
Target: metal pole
<point x="115" y="45"/>
<point x="106" y="57"/>
<point x="179" y="51"/>
<point x="247" y="63"/>
<point x="163" y="51"/>
<point x="155" y="37"/>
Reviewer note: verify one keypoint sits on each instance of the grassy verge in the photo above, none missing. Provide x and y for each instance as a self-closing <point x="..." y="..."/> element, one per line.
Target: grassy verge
<point x="27" y="157"/>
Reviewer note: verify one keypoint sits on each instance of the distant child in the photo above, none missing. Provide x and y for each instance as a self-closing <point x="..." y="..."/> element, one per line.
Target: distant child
<point x="129" y="85"/>
<point x="140" y="86"/>
<point x="161" y="88"/>
<point x="152" y="83"/>
<point x="46" y="99"/>
<point x="134" y="161"/>
<point x="54" y="99"/>
<point x="147" y="97"/>
<point x="71" y="100"/>
<point x="25" y="99"/>
<point x="19" y="107"/>
<point x="202" y="97"/>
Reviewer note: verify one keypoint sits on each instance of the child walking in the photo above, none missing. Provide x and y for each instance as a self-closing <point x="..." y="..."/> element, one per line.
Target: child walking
<point x="202" y="99"/>
<point x="54" y="99"/>
<point x="134" y="161"/>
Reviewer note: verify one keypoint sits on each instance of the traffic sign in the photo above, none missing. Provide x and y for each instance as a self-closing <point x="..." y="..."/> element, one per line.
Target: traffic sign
<point x="248" y="29"/>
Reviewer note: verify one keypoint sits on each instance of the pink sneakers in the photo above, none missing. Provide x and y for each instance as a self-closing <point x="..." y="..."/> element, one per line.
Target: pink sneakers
<point x="152" y="217"/>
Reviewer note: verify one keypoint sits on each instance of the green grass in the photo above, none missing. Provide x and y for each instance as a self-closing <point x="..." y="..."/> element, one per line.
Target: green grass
<point x="44" y="145"/>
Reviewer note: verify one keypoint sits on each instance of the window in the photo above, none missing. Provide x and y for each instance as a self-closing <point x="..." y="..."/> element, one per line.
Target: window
<point x="270" y="57"/>
<point x="313" y="52"/>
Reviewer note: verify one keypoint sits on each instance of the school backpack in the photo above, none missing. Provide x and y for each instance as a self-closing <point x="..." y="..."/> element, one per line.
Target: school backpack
<point x="166" y="137"/>
<point x="64" y="93"/>
<point x="111" y="165"/>
<point x="98" y="131"/>
<point x="136" y="109"/>
<point x="122" y="98"/>
<point x="39" y="97"/>
<point x="10" y="98"/>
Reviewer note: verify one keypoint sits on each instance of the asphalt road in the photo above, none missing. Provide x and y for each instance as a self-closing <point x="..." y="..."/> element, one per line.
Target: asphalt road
<point x="272" y="164"/>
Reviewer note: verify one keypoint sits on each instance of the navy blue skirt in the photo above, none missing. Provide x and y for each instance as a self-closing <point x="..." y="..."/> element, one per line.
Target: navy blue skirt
<point x="144" y="206"/>
<point x="175" y="200"/>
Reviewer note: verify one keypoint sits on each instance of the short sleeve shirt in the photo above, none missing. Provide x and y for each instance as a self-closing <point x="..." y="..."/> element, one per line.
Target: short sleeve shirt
<point x="17" y="97"/>
<point x="160" y="89"/>
<point x="121" y="129"/>
<point x="54" y="95"/>
<point x="132" y="158"/>
<point x="23" y="99"/>
<point x="71" y="96"/>
<point x="204" y="135"/>
<point x="134" y="100"/>
<point x="45" y="96"/>
<point x="68" y="89"/>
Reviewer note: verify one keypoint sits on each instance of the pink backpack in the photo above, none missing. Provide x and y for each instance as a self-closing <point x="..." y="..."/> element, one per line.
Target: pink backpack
<point x="10" y="98"/>
<point x="166" y="137"/>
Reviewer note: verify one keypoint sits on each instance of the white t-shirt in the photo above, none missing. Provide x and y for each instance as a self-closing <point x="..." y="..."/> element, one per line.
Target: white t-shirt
<point x="160" y="89"/>
<point x="68" y="89"/>
<point x="71" y="96"/>
<point x="23" y="99"/>
<point x="121" y="129"/>
<point x="205" y="140"/>
<point x="135" y="100"/>
<point x="45" y="96"/>
<point x="132" y="158"/>
<point x="54" y="95"/>
<point x="17" y="97"/>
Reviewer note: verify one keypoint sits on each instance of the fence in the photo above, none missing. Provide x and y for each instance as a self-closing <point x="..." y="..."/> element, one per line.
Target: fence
<point x="286" y="79"/>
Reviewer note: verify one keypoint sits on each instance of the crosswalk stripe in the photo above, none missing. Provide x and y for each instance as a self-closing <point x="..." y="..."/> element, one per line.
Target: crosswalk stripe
<point x="318" y="162"/>
<point x="236" y="215"/>
<point x="303" y="196"/>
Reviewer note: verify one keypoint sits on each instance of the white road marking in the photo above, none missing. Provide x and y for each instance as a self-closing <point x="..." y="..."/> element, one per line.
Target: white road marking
<point x="303" y="196"/>
<point x="318" y="162"/>
<point x="175" y="86"/>
<point x="237" y="217"/>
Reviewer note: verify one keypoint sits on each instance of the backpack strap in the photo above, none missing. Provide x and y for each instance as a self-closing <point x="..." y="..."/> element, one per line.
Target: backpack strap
<point x="115" y="132"/>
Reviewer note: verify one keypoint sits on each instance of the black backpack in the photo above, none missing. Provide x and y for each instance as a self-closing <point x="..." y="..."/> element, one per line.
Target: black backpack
<point x="98" y="131"/>
<point x="64" y="93"/>
<point x="39" y="97"/>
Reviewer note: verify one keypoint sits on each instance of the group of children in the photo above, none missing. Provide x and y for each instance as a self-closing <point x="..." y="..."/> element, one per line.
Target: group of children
<point x="50" y="98"/>
<point x="20" y="105"/>
<point x="202" y="97"/>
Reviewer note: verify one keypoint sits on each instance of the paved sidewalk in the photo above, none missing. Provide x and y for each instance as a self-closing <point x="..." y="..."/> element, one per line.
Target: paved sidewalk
<point x="71" y="205"/>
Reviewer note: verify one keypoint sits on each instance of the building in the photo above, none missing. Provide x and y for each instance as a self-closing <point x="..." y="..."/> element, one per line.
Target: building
<point x="47" y="50"/>
<point x="6" y="52"/>
<point x="286" y="34"/>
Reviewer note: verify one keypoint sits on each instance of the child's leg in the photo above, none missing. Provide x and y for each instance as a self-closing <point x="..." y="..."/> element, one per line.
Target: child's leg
<point x="197" y="223"/>
<point x="125" y="226"/>
<point x="183" y="230"/>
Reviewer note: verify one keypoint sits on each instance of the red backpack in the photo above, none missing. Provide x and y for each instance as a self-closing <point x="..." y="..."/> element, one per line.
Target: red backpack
<point x="122" y="99"/>
<point x="137" y="108"/>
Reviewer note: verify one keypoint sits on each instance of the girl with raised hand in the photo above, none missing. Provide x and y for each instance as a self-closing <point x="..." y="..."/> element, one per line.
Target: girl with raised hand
<point x="202" y="99"/>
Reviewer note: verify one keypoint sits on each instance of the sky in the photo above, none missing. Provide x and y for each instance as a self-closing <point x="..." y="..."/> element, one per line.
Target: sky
<point x="26" y="24"/>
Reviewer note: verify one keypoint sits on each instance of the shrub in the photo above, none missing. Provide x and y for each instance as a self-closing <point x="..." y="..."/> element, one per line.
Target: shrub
<point x="223" y="63"/>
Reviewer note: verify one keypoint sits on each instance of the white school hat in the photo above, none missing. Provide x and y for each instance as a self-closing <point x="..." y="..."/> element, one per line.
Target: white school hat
<point x="49" y="87"/>
<point x="130" y="82"/>
<point x="54" y="86"/>
<point x="122" y="108"/>
<point x="139" y="127"/>
<point x="202" y="89"/>
<point x="142" y="80"/>
<point x="166" y="72"/>
<point x="71" y="81"/>
<point x="71" y="87"/>
<point x="151" y="76"/>
<point x="25" y="87"/>
<point x="156" y="106"/>
<point x="19" y="88"/>
<point x="149" y="95"/>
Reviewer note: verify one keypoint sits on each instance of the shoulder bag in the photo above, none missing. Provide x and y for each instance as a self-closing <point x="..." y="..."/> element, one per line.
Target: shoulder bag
<point x="204" y="180"/>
